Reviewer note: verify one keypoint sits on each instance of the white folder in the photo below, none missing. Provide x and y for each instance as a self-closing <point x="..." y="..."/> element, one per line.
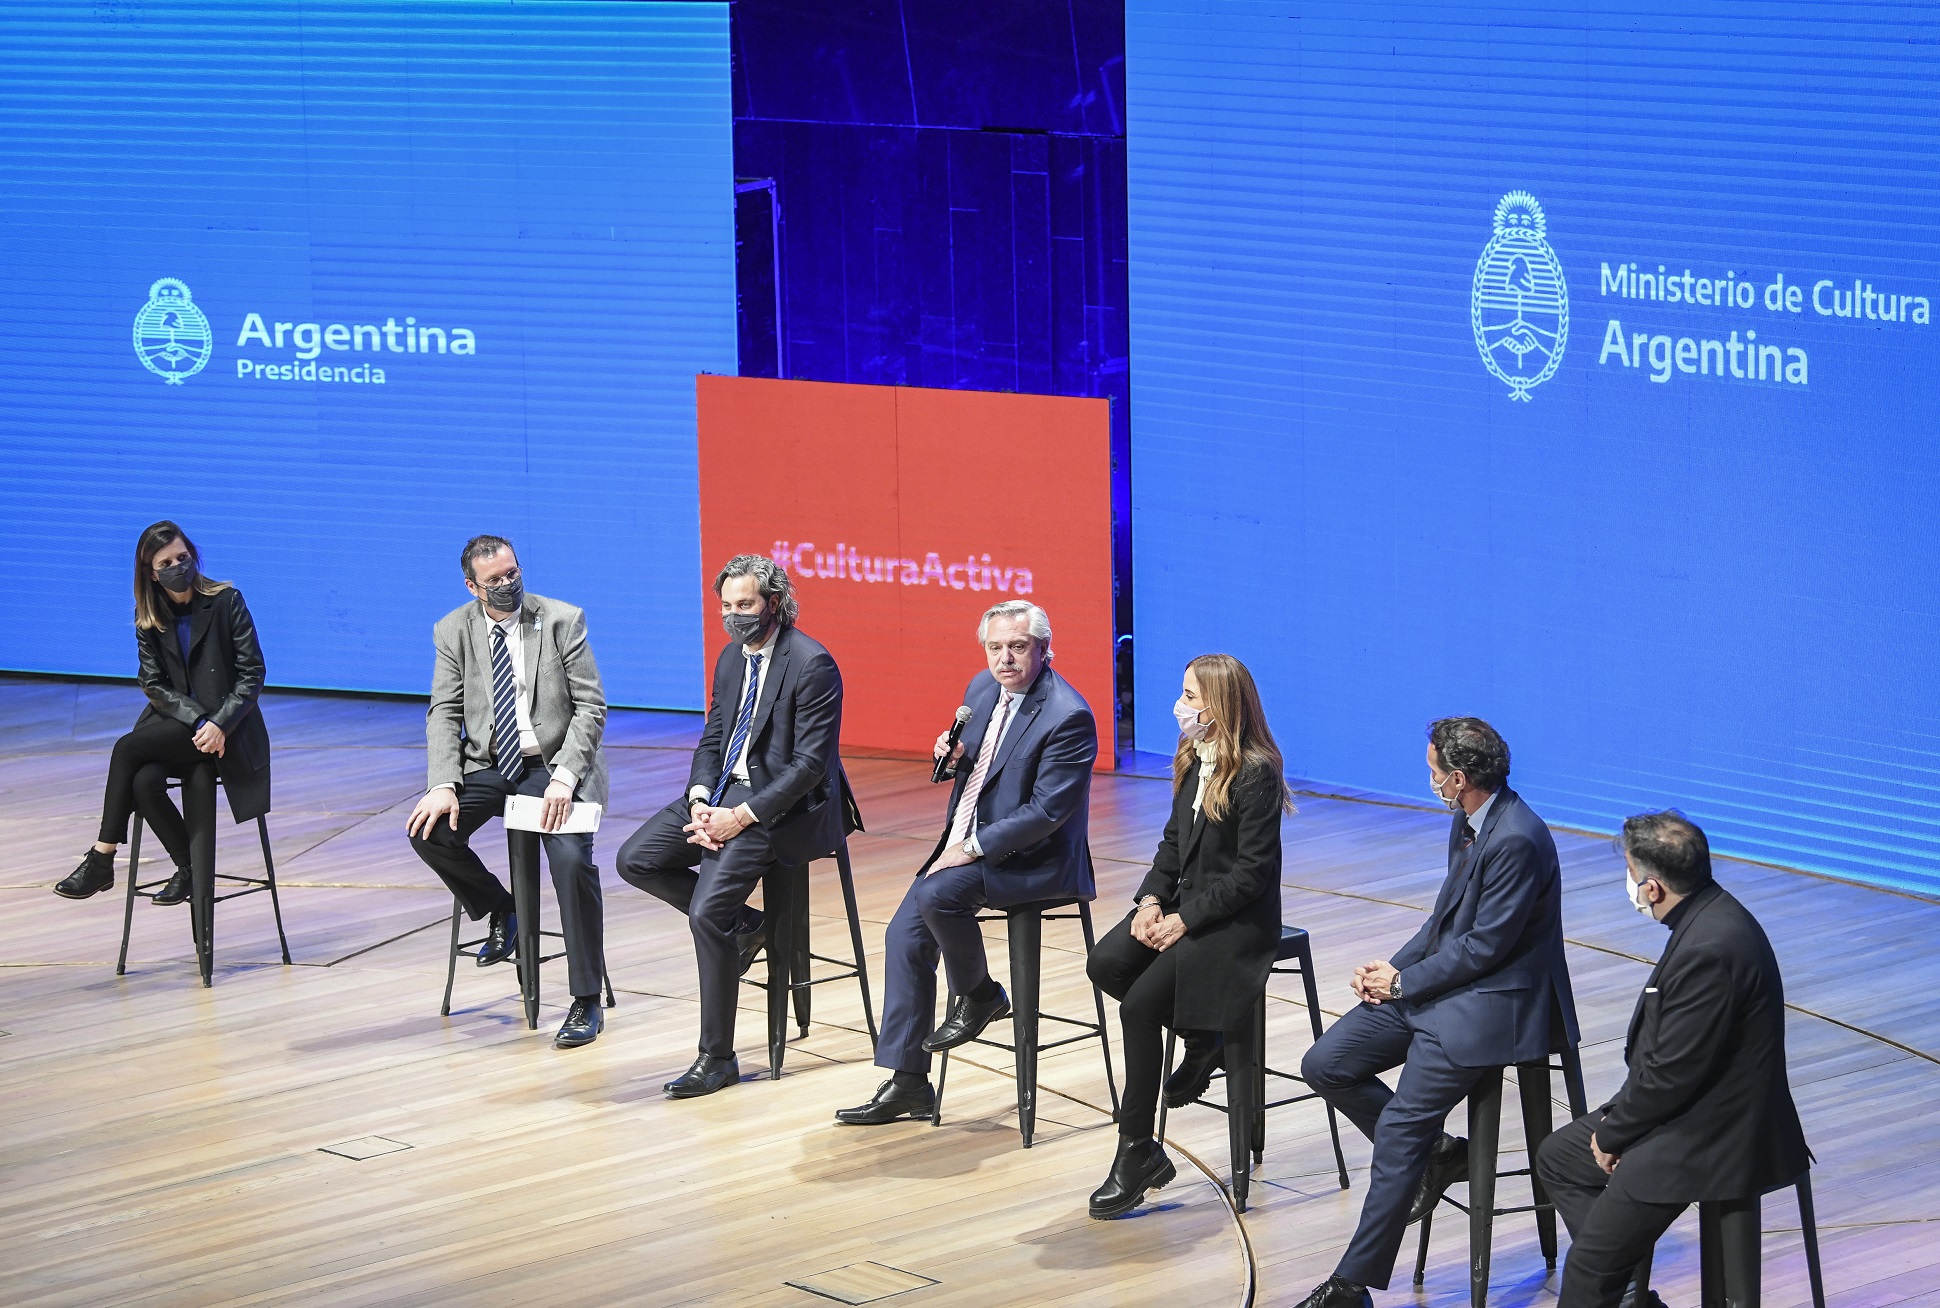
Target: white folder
<point x="522" y="813"/>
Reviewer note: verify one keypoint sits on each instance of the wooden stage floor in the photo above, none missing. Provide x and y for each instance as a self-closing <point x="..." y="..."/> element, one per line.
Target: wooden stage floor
<point x="164" y="1144"/>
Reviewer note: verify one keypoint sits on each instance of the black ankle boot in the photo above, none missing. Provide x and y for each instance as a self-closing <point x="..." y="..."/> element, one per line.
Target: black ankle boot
<point x="1205" y="1052"/>
<point x="95" y="874"/>
<point x="1141" y="1165"/>
<point x="177" y="889"/>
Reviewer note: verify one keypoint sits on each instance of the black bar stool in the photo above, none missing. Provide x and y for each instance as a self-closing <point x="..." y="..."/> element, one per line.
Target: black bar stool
<point x="202" y="899"/>
<point x="522" y="855"/>
<point x="1026" y="927"/>
<point x="1484" y="1135"/>
<point x="784" y="895"/>
<point x="1246" y="1073"/>
<point x="1729" y="1250"/>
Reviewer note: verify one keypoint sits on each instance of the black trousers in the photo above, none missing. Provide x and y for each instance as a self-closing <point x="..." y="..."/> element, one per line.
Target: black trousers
<point x="138" y="775"/>
<point x="575" y="881"/>
<point x="711" y="887"/>
<point x="1143" y="981"/>
<point x="1610" y="1232"/>
<point x="1404" y="1123"/>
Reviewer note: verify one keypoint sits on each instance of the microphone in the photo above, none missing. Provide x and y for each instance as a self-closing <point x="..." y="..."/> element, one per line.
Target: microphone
<point x="942" y="768"/>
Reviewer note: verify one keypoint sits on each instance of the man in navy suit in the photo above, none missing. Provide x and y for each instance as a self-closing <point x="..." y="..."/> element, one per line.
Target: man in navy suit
<point x="1014" y="832"/>
<point x="1483" y="984"/>
<point x="766" y="788"/>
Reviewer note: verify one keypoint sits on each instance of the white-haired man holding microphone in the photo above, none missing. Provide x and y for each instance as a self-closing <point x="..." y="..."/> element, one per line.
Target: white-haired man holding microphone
<point x="1014" y="832"/>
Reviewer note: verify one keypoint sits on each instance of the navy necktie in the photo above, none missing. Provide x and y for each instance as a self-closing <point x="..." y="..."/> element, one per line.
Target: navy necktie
<point x="505" y="711"/>
<point x="1453" y="888"/>
<point x="741" y="726"/>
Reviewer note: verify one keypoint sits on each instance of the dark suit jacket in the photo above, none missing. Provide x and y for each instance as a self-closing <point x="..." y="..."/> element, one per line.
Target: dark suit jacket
<point x="801" y="795"/>
<point x="1031" y="816"/>
<point x="1494" y="988"/>
<point x="1223" y="880"/>
<point x="1707" y="1112"/>
<point x="220" y="682"/>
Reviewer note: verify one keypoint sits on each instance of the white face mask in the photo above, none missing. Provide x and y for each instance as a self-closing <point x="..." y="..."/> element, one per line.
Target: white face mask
<point x="1188" y="718"/>
<point x="1639" y="898"/>
<point x="1452" y="805"/>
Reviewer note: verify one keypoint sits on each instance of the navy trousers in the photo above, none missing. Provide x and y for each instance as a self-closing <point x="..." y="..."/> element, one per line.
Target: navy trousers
<point x="1404" y="1123"/>
<point x="937" y="917"/>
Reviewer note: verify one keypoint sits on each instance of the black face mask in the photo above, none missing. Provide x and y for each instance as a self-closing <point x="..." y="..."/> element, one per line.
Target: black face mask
<point x="506" y="597"/>
<point x="177" y="577"/>
<point x="745" y="628"/>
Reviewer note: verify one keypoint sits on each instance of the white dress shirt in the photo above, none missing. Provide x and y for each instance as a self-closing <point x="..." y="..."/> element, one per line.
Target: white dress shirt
<point x="1005" y="698"/>
<point x="1475" y="819"/>
<point x="738" y="766"/>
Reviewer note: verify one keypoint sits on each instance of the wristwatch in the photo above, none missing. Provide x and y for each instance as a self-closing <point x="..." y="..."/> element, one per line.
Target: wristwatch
<point x="1394" y="987"/>
<point x="1152" y="901"/>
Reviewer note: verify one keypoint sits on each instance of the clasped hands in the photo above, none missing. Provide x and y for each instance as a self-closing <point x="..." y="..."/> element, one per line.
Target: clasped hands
<point x="210" y="740"/>
<point x="1157" y="929"/>
<point x="711" y="827"/>
<point x="1373" y="981"/>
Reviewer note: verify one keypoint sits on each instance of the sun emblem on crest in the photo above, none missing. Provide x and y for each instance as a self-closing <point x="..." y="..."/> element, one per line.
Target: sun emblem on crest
<point x="1520" y="307"/>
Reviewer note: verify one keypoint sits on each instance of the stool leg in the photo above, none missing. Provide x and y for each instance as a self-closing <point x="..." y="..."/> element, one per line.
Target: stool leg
<point x="606" y="979"/>
<point x="1026" y="942"/>
<point x="1532" y="1079"/>
<point x="269" y="874"/>
<point x="1166" y="1075"/>
<point x="1710" y="1258"/>
<point x="777" y="893"/>
<point x="522" y="852"/>
<point x="855" y="935"/>
<point x="1421" y="1252"/>
<point x="1573" y="1082"/>
<point x="1809" y="1228"/>
<point x="1484" y="1137"/>
<point x="1098" y="1001"/>
<point x="1306" y="959"/>
<point x="451" y="960"/>
<point x="942" y="1077"/>
<point x="128" y="912"/>
<point x="1259" y="1087"/>
<point x="1740" y="1252"/>
<point x="202" y="921"/>
<point x="1241" y="1058"/>
<point x="799" y="968"/>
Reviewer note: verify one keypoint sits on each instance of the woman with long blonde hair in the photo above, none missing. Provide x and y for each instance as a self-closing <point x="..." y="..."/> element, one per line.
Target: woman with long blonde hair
<point x="1195" y="952"/>
<point x="201" y="668"/>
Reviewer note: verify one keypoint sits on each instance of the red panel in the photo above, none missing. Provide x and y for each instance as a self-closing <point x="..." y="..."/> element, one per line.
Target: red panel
<point x="887" y="504"/>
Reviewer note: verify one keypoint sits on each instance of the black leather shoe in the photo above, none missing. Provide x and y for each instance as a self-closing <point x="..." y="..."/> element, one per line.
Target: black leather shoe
<point x="501" y="940"/>
<point x="705" y="1077"/>
<point x="966" y="1021"/>
<point x="892" y="1103"/>
<point x="1141" y="1165"/>
<point x="582" y="1024"/>
<point x="177" y="889"/>
<point x="750" y="943"/>
<point x="1447" y="1165"/>
<point x="1649" y="1299"/>
<point x="1204" y="1053"/>
<point x="95" y="874"/>
<point x="1336" y="1293"/>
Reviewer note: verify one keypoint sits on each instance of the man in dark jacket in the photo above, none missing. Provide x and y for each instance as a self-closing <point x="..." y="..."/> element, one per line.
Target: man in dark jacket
<point x="1706" y="1111"/>
<point x="1014" y="832"/>
<point x="1482" y="985"/>
<point x="766" y="788"/>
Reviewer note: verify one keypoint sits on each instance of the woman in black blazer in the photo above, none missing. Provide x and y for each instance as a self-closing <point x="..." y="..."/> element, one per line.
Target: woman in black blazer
<point x="201" y="669"/>
<point x="1195" y="953"/>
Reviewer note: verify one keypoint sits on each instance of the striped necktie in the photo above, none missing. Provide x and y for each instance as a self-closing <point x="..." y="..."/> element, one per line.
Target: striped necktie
<point x="973" y="788"/>
<point x="505" y="710"/>
<point x="741" y="726"/>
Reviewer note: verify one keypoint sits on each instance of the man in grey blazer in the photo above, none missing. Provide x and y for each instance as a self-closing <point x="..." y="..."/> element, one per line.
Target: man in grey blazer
<point x="516" y="709"/>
